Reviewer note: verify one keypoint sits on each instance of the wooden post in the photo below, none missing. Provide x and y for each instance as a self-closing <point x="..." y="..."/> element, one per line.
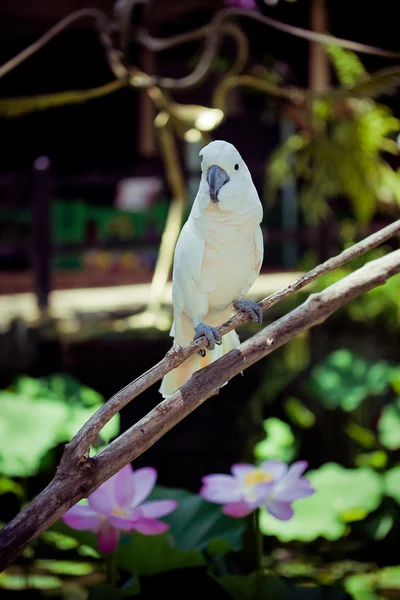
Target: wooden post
<point x="319" y="80"/>
<point x="319" y="72"/>
<point x="41" y="231"/>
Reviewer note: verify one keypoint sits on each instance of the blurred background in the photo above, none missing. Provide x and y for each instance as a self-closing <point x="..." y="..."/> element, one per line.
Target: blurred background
<point x="98" y="169"/>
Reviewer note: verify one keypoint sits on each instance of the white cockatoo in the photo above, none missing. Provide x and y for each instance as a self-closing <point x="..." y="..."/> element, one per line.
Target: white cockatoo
<point x="218" y="257"/>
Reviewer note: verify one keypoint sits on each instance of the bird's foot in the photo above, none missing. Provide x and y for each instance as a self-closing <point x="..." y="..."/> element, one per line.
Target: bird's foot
<point x="212" y="334"/>
<point x="251" y="308"/>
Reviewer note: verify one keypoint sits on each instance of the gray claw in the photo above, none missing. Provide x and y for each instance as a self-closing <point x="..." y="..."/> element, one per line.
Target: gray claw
<point x="212" y="334"/>
<point x="251" y="308"/>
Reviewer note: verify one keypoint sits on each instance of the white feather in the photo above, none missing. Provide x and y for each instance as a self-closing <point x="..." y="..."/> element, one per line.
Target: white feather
<point x="217" y="258"/>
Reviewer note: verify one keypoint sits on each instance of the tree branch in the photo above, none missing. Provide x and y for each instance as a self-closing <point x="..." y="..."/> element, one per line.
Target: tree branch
<point x="82" y="441"/>
<point x="78" y="475"/>
<point x="103" y="27"/>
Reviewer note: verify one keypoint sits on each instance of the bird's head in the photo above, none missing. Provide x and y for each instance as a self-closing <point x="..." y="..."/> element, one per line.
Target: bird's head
<point x="226" y="180"/>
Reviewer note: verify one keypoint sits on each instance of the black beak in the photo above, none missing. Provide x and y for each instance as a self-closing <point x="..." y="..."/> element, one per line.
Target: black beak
<point x="216" y="178"/>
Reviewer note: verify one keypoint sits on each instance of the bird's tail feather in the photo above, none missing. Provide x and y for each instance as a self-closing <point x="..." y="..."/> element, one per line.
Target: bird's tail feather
<point x="177" y="377"/>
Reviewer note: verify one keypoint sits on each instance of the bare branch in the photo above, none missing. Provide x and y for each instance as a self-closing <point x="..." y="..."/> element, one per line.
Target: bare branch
<point x="103" y="27"/>
<point x="18" y="106"/>
<point x="212" y="35"/>
<point x="82" y="441"/>
<point x="159" y="44"/>
<point x="79" y="476"/>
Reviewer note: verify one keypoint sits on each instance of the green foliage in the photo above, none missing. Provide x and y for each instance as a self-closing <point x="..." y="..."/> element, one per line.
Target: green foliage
<point x="8" y="485"/>
<point x="299" y="414"/>
<point x="196" y="524"/>
<point x="257" y="585"/>
<point x="389" y="425"/>
<point x="342" y="496"/>
<point x="106" y="591"/>
<point x="379" y="306"/>
<point x="37" y="414"/>
<point x="253" y="586"/>
<point x="392" y="483"/>
<point x="370" y="586"/>
<point x="147" y="555"/>
<point x="278" y="443"/>
<point x="342" y="152"/>
<point x="344" y="379"/>
<point x="16" y="582"/>
<point x="348" y="67"/>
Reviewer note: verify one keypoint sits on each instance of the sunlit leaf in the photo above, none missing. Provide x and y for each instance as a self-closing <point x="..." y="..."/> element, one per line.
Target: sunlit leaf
<point x="363" y="436"/>
<point x="84" y="538"/>
<point x="65" y="567"/>
<point x="361" y="587"/>
<point x="37" y="414"/>
<point x="8" y="485"/>
<point x="341" y="495"/>
<point x="28" y="428"/>
<point x="392" y="483"/>
<point x="298" y="413"/>
<point x="344" y="379"/>
<point x="11" y="581"/>
<point x="278" y="443"/>
<point x="389" y="425"/>
<point x="379" y="526"/>
<point x="369" y="586"/>
<point x="376" y="460"/>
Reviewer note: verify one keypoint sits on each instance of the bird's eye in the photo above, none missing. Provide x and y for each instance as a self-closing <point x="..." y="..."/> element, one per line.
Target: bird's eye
<point x="236" y="167"/>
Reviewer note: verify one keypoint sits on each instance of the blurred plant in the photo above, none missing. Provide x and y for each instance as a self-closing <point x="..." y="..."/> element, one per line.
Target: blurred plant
<point x="271" y="484"/>
<point x="117" y="505"/>
<point x="343" y="496"/>
<point x="38" y="414"/>
<point x="279" y="442"/>
<point x="344" y="379"/>
<point x="380" y="306"/>
<point x="339" y="148"/>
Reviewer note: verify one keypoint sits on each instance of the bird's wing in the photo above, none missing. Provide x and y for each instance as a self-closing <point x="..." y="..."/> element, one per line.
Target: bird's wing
<point x="189" y="256"/>
<point x="258" y="259"/>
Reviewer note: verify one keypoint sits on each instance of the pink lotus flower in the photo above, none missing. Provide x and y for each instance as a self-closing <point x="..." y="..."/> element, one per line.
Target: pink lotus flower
<point x="117" y="506"/>
<point x="272" y="484"/>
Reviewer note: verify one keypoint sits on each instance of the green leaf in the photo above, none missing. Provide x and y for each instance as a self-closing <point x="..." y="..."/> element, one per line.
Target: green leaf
<point x="106" y="591"/>
<point x="361" y="587"/>
<point x="341" y="496"/>
<point x="28" y="428"/>
<point x="344" y="379"/>
<point x="368" y="586"/>
<point x="8" y="485"/>
<point x="385" y="81"/>
<point x="65" y="567"/>
<point x="195" y="523"/>
<point x="84" y="538"/>
<point x="253" y="586"/>
<point x="257" y="586"/>
<point x="147" y="555"/>
<point x="392" y="483"/>
<point x="349" y="69"/>
<point x="389" y="425"/>
<point x="11" y="581"/>
<point x="38" y="414"/>
<point x="299" y="414"/>
<point x="279" y="441"/>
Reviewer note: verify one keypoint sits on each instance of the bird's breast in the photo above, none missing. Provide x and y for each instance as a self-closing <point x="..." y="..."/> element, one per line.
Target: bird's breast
<point x="226" y="269"/>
